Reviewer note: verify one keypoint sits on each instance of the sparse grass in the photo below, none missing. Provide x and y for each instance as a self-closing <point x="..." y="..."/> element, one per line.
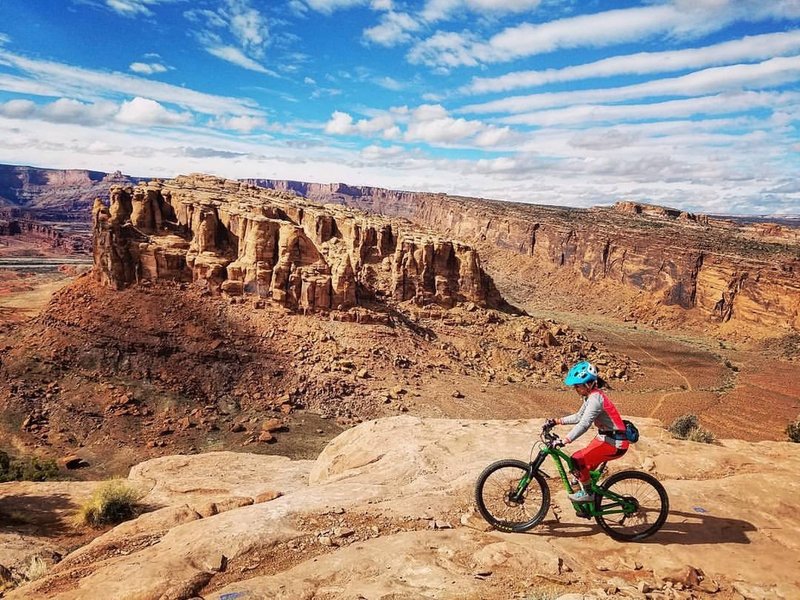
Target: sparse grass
<point x="29" y="468"/>
<point x="687" y="427"/>
<point x="543" y="594"/>
<point x="112" y="502"/>
<point x="793" y="431"/>
<point x="36" y="569"/>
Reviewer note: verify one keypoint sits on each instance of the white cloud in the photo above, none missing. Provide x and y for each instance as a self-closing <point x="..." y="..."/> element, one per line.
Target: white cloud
<point x="147" y="68"/>
<point x="395" y="28"/>
<point x="143" y="111"/>
<point x="440" y="9"/>
<point x="134" y="8"/>
<point x="237" y="57"/>
<point x="46" y="78"/>
<point x="18" y="109"/>
<point x="766" y="74"/>
<point x="728" y="103"/>
<point x="390" y="83"/>
<point x="678" y="19"/>
<point x="242" y="123"/>
<point x="248" y="26"/>
<point x="749" y="48"/>
<point x="340" y="124"/>
<point x="382" y="152"/>
<point x="329" y="6"/>
<point x="63" y="110"/>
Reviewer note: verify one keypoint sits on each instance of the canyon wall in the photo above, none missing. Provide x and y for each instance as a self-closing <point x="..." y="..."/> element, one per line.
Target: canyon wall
<point x="717" y="270"/>
<point x="238" y="239"/>
<point x="55" y="194"/>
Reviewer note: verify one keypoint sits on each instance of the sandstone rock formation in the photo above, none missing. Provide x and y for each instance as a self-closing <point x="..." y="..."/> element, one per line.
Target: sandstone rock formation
<point x="386" y="511"/>
<point x="714" y="270"/>
<point x="238" y="239"/>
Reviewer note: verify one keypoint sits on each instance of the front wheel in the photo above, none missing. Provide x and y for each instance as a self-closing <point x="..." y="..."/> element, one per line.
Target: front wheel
<point x="635" y="507"/>
<point x="509" y="498"/>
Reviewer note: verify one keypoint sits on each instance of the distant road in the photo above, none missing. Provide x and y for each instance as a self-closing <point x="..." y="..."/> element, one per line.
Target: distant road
<point x="33" y="263"/>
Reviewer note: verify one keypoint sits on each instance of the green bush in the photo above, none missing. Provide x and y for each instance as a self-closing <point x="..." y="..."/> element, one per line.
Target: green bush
<point x="112" y="502"/>
<point x="793" y="431"/>
<point x="30" y="468"/>
<point x="687" y="427"/>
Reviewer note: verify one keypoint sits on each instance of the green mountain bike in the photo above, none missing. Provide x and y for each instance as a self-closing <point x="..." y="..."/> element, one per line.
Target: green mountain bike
<point x="514" y="496"/>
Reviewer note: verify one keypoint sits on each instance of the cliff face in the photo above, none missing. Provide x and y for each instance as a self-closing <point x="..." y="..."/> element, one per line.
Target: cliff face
<point x="54" y="193"/>
<point x="718" y="271"/>
<point x="238" y="239"/>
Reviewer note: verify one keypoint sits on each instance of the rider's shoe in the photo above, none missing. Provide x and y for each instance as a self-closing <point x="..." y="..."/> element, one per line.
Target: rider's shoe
<point x="581" y="496"/>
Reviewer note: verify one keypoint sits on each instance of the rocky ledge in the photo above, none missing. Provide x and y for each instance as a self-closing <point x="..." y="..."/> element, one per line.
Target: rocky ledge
<point x="239" y="239"/>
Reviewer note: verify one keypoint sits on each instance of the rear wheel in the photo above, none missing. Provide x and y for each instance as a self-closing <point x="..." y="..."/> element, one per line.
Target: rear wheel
<point x="638" y="508"/>
<point x="506" y="501"/>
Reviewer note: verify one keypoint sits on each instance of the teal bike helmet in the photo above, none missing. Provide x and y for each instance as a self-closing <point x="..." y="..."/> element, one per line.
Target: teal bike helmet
<point x="583" y="372"/>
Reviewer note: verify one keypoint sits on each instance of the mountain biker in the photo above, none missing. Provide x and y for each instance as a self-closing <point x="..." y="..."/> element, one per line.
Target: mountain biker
<point x="597" y="408"/>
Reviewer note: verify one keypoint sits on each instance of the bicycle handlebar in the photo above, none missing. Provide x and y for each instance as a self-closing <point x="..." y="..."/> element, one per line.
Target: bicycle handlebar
<point x="550" y="439"/>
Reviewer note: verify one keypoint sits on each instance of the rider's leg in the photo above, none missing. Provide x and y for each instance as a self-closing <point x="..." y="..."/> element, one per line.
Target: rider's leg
<point x="588" y="458"/>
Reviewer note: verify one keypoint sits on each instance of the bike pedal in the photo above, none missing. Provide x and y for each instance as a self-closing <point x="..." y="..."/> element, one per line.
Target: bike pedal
<point x="582" y="515"/>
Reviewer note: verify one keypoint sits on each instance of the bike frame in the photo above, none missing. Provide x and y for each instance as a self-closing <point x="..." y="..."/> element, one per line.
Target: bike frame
<point x="617" y="505"/>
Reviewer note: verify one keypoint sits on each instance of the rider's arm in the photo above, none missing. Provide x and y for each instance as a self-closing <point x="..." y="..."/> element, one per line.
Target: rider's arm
<point x="572" y="419"/>
<point x="590" y="410"/>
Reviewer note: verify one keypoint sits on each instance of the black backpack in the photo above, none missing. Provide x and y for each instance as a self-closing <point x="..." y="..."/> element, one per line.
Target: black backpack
<point x="631" y="432"/>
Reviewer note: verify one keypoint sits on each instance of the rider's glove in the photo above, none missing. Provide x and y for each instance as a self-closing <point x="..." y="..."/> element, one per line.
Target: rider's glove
<point x="550" y="423"/>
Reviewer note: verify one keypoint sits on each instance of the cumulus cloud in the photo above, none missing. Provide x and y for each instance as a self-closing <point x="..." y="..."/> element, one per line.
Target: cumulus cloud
<point x="18" y="109"/>
<point x="63" y="110"/>
<point x="146" y="112"/>
<point x="241" y="123"/>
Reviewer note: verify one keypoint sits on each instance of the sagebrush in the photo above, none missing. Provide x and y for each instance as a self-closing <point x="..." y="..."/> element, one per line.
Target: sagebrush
<point x="793" y="431"/>
<point x="687" y="427"/>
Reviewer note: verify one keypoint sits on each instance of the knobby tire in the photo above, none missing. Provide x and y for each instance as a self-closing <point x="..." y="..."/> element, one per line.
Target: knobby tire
<point x="494" y="488"/>
<point x="653" y="509"/>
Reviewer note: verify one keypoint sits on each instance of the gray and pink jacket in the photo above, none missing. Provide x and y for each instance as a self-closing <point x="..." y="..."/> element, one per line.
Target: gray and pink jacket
<point x="597" y="409"/>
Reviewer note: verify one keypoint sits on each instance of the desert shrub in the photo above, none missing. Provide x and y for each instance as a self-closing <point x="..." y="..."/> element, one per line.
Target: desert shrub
<point x="687" y="427"/>
<point x="793" y="431"/>
<point x="30" y="468"/>
<point x="681" y="426"/>
<point x="36" y="569"/>
<point x="702" y="435"/>
<point x="112" y="502"/>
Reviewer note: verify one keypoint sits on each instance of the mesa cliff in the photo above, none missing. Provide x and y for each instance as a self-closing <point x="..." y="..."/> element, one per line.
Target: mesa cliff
<point x="712" y="271"/>
<point x="238" y="239"/>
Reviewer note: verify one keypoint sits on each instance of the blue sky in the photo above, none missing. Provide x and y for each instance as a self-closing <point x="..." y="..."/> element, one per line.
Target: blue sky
<point x="693" y="104"/>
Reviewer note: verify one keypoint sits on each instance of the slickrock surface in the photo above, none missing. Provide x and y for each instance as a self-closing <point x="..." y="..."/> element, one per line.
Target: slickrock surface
<point x="240" y="239"/>
<point x="385" y="511"/>
<point x="638" y="261"/>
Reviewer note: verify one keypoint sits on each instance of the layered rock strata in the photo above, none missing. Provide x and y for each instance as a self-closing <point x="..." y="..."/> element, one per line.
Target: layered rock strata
<point x="239" y="239"/>
<point x="720" y="270"/>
